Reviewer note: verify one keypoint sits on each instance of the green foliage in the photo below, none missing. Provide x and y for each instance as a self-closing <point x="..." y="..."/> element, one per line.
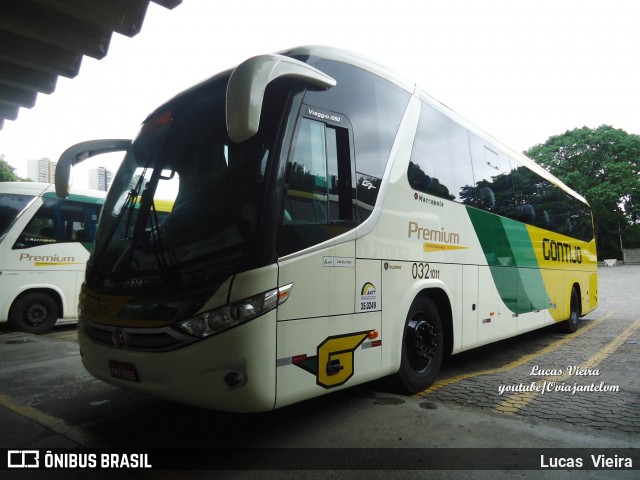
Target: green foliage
<point x="602" y="164"/>
<point x="631" y="236"/>
<point x="7" y="173"/>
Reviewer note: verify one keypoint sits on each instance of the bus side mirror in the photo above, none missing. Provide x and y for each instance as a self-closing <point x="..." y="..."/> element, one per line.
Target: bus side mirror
<point x="245" y="91"/>
<point x="79" y="153"/>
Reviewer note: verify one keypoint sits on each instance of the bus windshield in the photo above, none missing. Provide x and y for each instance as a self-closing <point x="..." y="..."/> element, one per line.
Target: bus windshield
<point x="185" y="202"/>
<point x="11" y="205"/>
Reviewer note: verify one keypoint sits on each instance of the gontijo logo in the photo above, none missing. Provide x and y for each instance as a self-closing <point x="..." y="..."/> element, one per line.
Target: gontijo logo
<point x="561" y="251"/>
<point x="333" y="365"/>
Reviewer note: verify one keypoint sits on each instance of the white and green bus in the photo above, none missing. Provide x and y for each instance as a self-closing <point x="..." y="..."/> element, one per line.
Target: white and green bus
<point x="44" y="246"/>
<point x="331" y="224"/>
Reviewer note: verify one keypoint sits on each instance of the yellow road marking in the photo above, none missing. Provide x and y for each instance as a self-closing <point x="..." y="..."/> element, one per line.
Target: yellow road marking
<point x="516" y="363"/>
<point x="517" y="401"/>
<point x="55" y="424"/>
<point x="37" y="416"/>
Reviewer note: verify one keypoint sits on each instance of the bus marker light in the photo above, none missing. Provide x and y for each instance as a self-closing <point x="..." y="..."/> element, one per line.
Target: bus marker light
<point x="373" y="334"/>
<point x="283" y="293"/>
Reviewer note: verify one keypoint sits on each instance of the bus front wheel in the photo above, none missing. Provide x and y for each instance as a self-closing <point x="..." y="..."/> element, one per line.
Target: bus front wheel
<point x="422" y="346"/>
<point x="571" y="324"/>
<point x="34" y="313"/>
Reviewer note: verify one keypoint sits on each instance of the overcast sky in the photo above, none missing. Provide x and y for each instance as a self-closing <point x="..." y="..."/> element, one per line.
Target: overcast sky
<point x="520" y="70"/>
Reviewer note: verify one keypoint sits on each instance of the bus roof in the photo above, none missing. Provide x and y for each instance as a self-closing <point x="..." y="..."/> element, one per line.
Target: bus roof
<point x="367" y="64"/>
<point x="492" y="141"/>
<point x="355" y="59"/>
<point x="40" y="188"/>
<point x="26" y="188"/>
<point x="372" y="66"/>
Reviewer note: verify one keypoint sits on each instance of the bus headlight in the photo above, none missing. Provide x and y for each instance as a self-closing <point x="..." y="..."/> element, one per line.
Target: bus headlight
<point x="214" y="321"/>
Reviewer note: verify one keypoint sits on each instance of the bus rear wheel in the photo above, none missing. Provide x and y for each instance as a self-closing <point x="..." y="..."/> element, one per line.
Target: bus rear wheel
<point x="422" y="347"/>
<point x="571" y="324"/>
<point x="34" y="313"/>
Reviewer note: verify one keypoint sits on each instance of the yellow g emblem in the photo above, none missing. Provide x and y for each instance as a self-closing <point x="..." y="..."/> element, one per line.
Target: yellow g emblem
<point x="333" y="365"/>
<point x="335" y="359"/>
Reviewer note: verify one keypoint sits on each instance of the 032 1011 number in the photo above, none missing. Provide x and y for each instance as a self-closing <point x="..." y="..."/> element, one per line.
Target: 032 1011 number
<point x="424" y="270"/>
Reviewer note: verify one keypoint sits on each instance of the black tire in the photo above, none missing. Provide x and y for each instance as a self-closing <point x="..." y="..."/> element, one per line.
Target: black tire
<point x="570" y="325"/>
<point x="34" y="313"/>
<point x="422" y="347"/>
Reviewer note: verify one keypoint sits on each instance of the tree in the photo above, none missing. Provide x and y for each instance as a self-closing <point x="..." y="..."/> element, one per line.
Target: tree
<point x="7" y="173"/>
<point x="602" y="164"/>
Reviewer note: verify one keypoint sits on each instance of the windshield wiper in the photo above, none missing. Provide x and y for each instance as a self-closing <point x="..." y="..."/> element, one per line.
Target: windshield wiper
<point x="129" y="207"/>
<point x="168" y="272"/>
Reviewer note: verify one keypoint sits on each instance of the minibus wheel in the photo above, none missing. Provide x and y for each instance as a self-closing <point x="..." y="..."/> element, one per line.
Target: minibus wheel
<point x="422" y="346"/>
<point x="34" y="313"/>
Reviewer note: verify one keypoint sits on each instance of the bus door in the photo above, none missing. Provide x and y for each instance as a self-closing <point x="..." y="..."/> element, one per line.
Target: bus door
<point x="320" y="334"/>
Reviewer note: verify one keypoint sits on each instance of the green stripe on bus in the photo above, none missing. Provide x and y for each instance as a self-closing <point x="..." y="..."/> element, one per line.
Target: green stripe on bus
<point x="512" y="261"/>
<point x="76" y="198"/>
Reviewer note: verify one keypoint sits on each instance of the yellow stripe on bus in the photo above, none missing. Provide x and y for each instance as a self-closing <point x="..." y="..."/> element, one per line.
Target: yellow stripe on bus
<point x="54" y="264"/>
<point x="437" y="247"/>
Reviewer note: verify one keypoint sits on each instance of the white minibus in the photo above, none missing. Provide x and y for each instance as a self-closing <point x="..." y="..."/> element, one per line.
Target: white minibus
<point x="45" y="242"/>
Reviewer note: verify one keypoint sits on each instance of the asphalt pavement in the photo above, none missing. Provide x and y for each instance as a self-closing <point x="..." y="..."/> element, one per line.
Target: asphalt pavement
<point x="48" y="401"/>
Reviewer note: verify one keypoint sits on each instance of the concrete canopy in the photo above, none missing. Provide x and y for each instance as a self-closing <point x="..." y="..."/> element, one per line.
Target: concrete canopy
<point x="43" y="39"/>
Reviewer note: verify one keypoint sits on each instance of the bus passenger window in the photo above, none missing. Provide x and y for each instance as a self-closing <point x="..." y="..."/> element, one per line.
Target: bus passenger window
<point x="440" y="163"/>
<point x="493" y="180"/>
<point x="543" y="204"/>
<point x="59" y="221"/>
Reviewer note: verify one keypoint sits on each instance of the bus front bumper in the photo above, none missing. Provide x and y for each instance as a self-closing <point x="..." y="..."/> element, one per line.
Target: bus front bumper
<point x="231" y="371"/>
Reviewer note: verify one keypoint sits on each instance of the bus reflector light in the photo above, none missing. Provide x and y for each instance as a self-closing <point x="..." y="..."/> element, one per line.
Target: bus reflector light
<point x="235" y="379"/>
<point x="376" y="343"/>
<point x="299" y="358"/>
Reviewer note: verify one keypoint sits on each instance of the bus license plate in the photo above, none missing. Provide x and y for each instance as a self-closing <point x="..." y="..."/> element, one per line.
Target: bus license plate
<point x="123" y="370"/>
